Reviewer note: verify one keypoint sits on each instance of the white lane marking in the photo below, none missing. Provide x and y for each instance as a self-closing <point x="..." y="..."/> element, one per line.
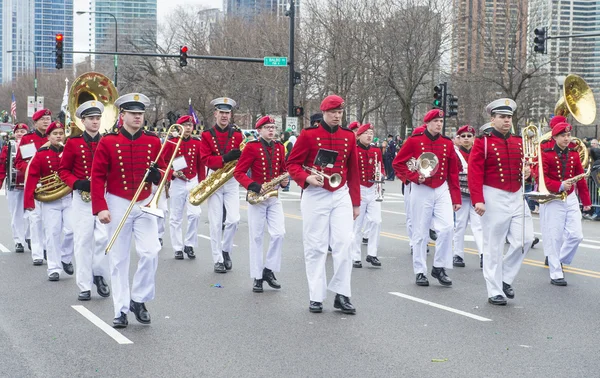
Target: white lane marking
<point x="442" y="307"/>
<point x="585" y="240"/>
<point x="208" y="238"/>
<point x="290" y="193"/>
<point x="4" y="249"/>
<point x="393" y="212"/>
<point x="110" y="331"/>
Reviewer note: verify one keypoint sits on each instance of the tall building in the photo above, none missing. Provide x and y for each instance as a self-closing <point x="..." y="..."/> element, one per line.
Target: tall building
<point x="250" y="8"/>
<point x="208" y="20"/>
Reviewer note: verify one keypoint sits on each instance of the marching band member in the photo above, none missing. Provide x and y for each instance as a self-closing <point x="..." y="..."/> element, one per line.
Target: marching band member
<point x="188" y="171"/>
<point x="14" y="195"/>
<point x="495" y="169"/>
<point x="437" y="197"/>
<point x="327" y="210"/>
<point x="220" y="145"/>
<point x="266" y="160"/>
<point x="120" y="164"/>
<point x="407" y="187"/>
<point x="29" y="145"/>
<point x="90" y="236"/>
<point x="370" y="209"/>
<point x="466" y="213"/>
<point x="56" y="215"/>
<point x="560" y="221"/>
<point x="354" y="126"/>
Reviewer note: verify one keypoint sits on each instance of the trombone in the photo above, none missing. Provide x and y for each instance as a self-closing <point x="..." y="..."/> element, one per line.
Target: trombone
<point x="152" y="206"/>
<point x="334" y="180"/>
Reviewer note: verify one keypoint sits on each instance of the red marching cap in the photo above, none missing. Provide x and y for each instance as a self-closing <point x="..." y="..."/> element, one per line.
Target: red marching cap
<point x="332" y="102"/>
<point x="560" y="128"/>
<point x="184" y="119"/>
<point x="20" y="126"/>
<point x="466" y="129"/>
<point x="419" y="129"/>
<point x="556" y="120"/>
<point x="354" y="125"/>
<point x="433" y="114"/>
<point x="266" y="120"/>
<point x="53" y="126"/>
<point x="40" y="113"/>
<point x="364" y="128"/>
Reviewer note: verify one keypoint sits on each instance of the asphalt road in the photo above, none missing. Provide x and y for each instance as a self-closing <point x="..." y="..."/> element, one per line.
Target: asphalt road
<point x="199" y="330"/>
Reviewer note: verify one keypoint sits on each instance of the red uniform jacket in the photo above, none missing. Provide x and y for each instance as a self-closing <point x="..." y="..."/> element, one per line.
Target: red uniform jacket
<point x="216" y="142"/>
<point x="496" y="161"/>
<point x="265" y="162"/>
<point x="34" y="137"/>
<point x="190" y="150"/>
<point x="368" y="157"/>
<point x="334" y="138"/>
<point x="465" y="154"/>
<point x="76" y="162"/>
<point x="44" y="163"/>
<point x="119" y="166"/>
<point x="5" y="169"/>
<point x="562" y="165"/>
<point x="443" y="148"/>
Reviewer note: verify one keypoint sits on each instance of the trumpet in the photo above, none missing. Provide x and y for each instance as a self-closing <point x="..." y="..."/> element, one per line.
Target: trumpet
<point x="334" y="180"/>
<point x="378" y="181"/>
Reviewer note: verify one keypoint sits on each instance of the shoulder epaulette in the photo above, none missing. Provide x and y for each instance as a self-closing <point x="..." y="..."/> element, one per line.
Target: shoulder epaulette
<point x="418" y="134"/>
<point x="314" y="126"/>
<point x="253" y="141"/>
<point x="195" y="137"/>
<point x="548" y="149"/>
<point x="151" y="133"/>
<point x="75" y="137"/>
<point x="447" y="137"/>
<point x="236" y="129"/>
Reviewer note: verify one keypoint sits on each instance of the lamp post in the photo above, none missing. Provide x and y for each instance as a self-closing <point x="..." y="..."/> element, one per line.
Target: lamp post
<point x="35" y="85"/>
<point x="116" y="36"/>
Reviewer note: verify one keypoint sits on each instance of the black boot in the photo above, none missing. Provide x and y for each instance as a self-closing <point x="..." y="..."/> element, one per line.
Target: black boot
<point x="458" y="261"/>
<point x="101" y="286"/>
<point x="121" y="321"/>
<point x="269" y="276"/>
<point x="19" y="248"/>
<point x="508" y="290"/>
<point x="141" y="313"/>
<point x="356" y="264"/>
<point x="189" y="251"/>
<point x="257" y="287"/>
<point x="227" y="261"/>
<point x="178" y="255"/>
<point x="442" y="277"/>
<point x="84" y="296"/>
<point x="220" y="268"/>
<point x="342" y="302"/>
<point x="68" y="268"/>
<point x="315" y="307"/>
<point x="422" y="280"/>
<point x="432" y="235"/>
<point x="373" y="260"/>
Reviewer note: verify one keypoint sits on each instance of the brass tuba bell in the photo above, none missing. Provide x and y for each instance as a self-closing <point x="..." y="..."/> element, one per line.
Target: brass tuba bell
<point x="577" y="99"/>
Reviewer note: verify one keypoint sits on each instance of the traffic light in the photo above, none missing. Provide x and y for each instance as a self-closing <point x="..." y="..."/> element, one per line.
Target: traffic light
<point x="540" y="40"/>
<point x="438" y="96"/>
<point x="452" y="105"/>
<point x="183" y="56"/>
<point x="298" y="111"/>
<point x="59" y="51"/>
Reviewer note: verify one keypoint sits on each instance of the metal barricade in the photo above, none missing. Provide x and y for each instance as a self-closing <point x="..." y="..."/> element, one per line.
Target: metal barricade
<point x="594" y="192"/>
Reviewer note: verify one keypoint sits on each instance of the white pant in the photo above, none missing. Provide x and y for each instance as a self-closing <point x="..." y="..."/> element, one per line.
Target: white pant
<point x="370" y="214"/>
<point x="164" y="206"/>
<point x="17" y="215"/>
<point x="503" y="218"/>
<point x="561" y="232"/>
<point x="326" y="219"/>
<point x="431" y="207"/>
<point x="228" y="195"/>
<point x="409" y="229"/>
<point x="56" y="220"/>
<point x="178" y="202"/>
<point x="465" y="215"/>
<point x="144" y="228"/>
<point x="269" y="212"/>
<point x="37" y="232"/>
<point x="90" y="238"/>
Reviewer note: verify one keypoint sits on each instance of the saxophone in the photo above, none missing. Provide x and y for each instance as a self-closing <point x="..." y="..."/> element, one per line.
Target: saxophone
<point x="269" y="191"/>
<point x="214" y="181"/>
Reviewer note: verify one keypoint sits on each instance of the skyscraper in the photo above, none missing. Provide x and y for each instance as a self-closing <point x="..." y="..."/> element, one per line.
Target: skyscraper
<point x="250" y="8"/>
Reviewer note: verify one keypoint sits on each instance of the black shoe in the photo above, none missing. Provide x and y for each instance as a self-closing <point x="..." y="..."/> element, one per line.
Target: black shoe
<point x="558" y="282"/>
<point x="178" y="255"/>
<point x="257" y="288"/>
<point x="546" y="261"/>
<point x="458" y="261"/>
<point x="160" y="241"/>
<point x="227" y="261"/>
<point x="365" y="241"/>
<point x="53" y="277"/>
<point x="121" y="321"/>
<point x="432" y="235"/>
<point x="373" y="260"/>
<point x="481" y="261"/>
<point x="422" y="280"/>
<point x="19" y="248"/>
<point x="28" y="241"/>
<point x="329" y="249"/>
<point x="68" y="268"/>
<point x="535" y="241"/>
<point x="141" y="313"/>
<point x="497" y="300"/>
<point x="356" y="264"/>
<point x="508" y="290"/>
<point x="37" y="262"/>
<point x="220" y="268"/>
<point x="442" y="277"/>
<point x="315" y="307"/>
<point x="45" y="257"/>
<point x="342" y="302"/>
<point x="84" y="296"/>
<point x="189" y="251"/>
<point x="269" y="276"/>
<point x="101" y="286"/>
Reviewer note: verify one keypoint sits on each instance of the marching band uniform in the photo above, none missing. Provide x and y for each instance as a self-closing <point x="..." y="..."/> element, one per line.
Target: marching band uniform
<point x="14" y="195"/>
<point x="90" y="236"/>
<point x="193" y="172"/>
<point x="56" y="216"/>
<point x="495" y="166"/>
<point x="327" y="212"/>
<point x="30" y="143"/>
<point x="120" y="164"/>
<point x="219" y="146"/>
<point x="407" y="188"/>
<point x="436" y="195"/>
<point x="266" y="161"/>
<point x="560" y="221"/>
<point x="370" y="209"/>
<point x="354" y="126"/>
<point x="467" y="212"/>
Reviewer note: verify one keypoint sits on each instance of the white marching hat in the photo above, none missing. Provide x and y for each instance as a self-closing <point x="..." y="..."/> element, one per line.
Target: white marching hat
<point x="133" y="103"/>
<point x="488" y="126"/>
<point x="90" y="108"/>
<point x="505" y="106"/>
<point x="224" y="104"/>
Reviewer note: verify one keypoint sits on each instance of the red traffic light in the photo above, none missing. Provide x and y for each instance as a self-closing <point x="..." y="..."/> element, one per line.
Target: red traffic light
<point x="59" y="37"/>
<point x="184" y="49"/>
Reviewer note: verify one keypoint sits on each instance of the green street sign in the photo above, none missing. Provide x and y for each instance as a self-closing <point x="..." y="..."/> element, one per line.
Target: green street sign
<point x="275" y="61"/>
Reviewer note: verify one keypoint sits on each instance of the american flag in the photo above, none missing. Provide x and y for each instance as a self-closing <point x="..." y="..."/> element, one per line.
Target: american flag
<point x="13" y="108"/>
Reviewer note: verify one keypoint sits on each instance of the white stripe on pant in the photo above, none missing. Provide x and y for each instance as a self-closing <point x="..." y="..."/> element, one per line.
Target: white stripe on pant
<point x="144" y="228"/>
<point x="56" y="220"/>
<point x="503" y="218"/>
<point x="90" y="239"/>
<point x="269" y="212"/>
<point x="370" y="214"/>
<point x="37" y="231"/>
<point x="19" y="223"/>
<point x="464" y="215"/>
<point x="178" y="202"/>
<point x="326" y="219"/>
<point x="561" y="232"/>
<point x="222" y="240"/>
